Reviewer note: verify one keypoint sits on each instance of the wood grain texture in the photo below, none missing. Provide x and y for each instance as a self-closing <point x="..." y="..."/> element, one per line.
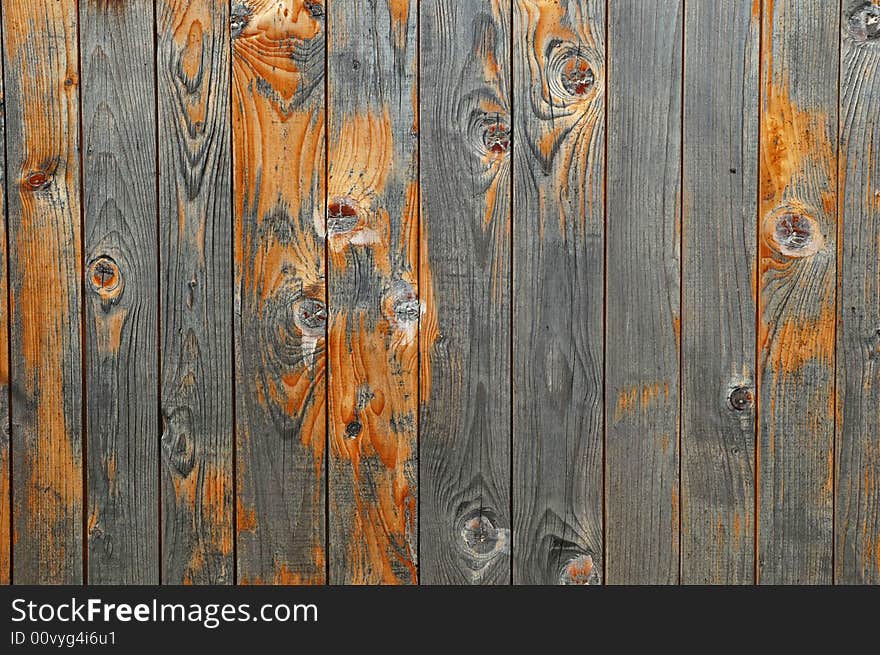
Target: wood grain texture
<point x="373" y="238"/>
<point x="121" y="291"/>
<point x="642" y="291"/>
<point x="5" y="497"/>
<point x="558" y="237"/>
<point x="280" y="304"/>
<point x="719" y="216"/>
<point x="465" y="117"/>
<point x="857" y="459"/>
<point x="45" y="275"/>
<point x="796" y="290"/>
<point x="196" y="291"/>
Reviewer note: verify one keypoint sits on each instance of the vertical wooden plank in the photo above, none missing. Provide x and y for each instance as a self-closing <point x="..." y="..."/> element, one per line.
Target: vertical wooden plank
<point x="45" y="275"/>
<point x="796" y="290"/>
<point x="280" y="304"/>
<point x="195" y="281"/>
<point x="642" y="287"/>
<point x="121" y="373"/>
<point x="857" y="507"/>
<point x="5" y="498"/>
<point x="373" y="291"/>
<point x="719" y="214"/>
<point x="558" y="223"/>
<point x="465" y="114"/>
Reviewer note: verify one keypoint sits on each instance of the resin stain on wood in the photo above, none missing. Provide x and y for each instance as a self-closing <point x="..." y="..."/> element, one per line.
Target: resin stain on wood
<point x="278" y="126"/>
<point x="373" y="268"/>
<point x="43" y="177"/>
<point x="558" y="296"/>
<point x="797" y="252"/>
<point x="465" y="275"/>
<point x="195" y="252"/>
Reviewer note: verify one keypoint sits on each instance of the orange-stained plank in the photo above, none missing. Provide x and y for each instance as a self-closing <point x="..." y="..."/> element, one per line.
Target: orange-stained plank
<point x="5" y="498"/>
<point x="280" y="312"/>
<point x="374" y="301"/>
<point x="195" y="252"/>
<point x="558" y="241"/>
<point x="45" y="258"/>
<point x="797" y="251"/>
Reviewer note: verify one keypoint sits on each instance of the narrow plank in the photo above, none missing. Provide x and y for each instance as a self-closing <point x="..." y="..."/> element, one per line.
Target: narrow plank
<point x="5" y="498"/>
<point x="280" y="304"/>
<point x="373" y="291"/>
<point x="195" y="253"/>
<point x="40" y="52"/>
<point x="558" y="290"/>
<point x="464" y="279"/>
<point x="121" y="329"/>
<point x="796" y="291"/>
<point x="719" y="214"/>
<point x="642" y="292"/>
<point x="857" y="460"/>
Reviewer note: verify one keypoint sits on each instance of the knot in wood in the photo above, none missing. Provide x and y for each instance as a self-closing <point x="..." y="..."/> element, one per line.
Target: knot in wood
<point x="864" y="22"/>
<point x="496" y="137"/>
<point x="353" y="429"/>
<point x="401" y="304"/>
<point x="315" y="8"/>
<point x="105" y="278"/>
<point x="794" y="234"/>
<point x="740" y="398"/>
<point x="479" y="532"/>
<point x="37" y="180"/>
<point x="579" y="571"/>
<point x="577" y="76"/>
<point x="342" y="216"/>
<point x="239" y="18"/>
<point x="311" y="316"/>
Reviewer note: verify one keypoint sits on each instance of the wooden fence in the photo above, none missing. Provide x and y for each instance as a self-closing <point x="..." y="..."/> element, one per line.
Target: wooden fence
<point x="440" y="291"/>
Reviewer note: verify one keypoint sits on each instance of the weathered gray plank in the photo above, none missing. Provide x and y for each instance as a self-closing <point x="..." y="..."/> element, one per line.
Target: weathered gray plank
<point x="373" y="291"/>
<point x="465" y="114"/>
<point x="5" y="498"/>
<point x="857" y="460"/>
<point x="796" y="291"/>
<point x="196" y="296"/>
<point x="121" y="338"/>
<point x="279" y="149"/>
<point x="558" y="244"/>
<point x="643" y="276"/>
<point x="719" y="227"/>
<point x="40" y="52"/>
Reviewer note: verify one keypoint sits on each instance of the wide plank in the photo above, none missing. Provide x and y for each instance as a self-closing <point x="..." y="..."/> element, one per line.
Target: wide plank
<point x="558" y="290"/>
<point x="796" y="291"/>
<point x="121" y="291"/>
<point x="464" y="281"/>
<point x="195" y="254"/>
<point x="643" y="312"/>
<point x="719" y="217"/>
<point x="374" y="307"/>
<point x="41" y="60"/>
<point x="857" y="459"/>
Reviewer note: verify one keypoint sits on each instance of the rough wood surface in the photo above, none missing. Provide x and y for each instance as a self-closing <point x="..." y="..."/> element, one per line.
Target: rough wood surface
<point x="373" y="244"/>
<point x="280" y="304"/>
<point x="796" y="290"/>
<point x="719" y="215"/>
<point x="195" y="252"/>
<point x="121" y="291"/>
<point x="45" y="255"/>
<point x="642" y="287"/>
<point x="558" y="242"/>
<point x="465" y="118"/>
<point x="857" y="459"/>
<point x="5" y="497"/>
